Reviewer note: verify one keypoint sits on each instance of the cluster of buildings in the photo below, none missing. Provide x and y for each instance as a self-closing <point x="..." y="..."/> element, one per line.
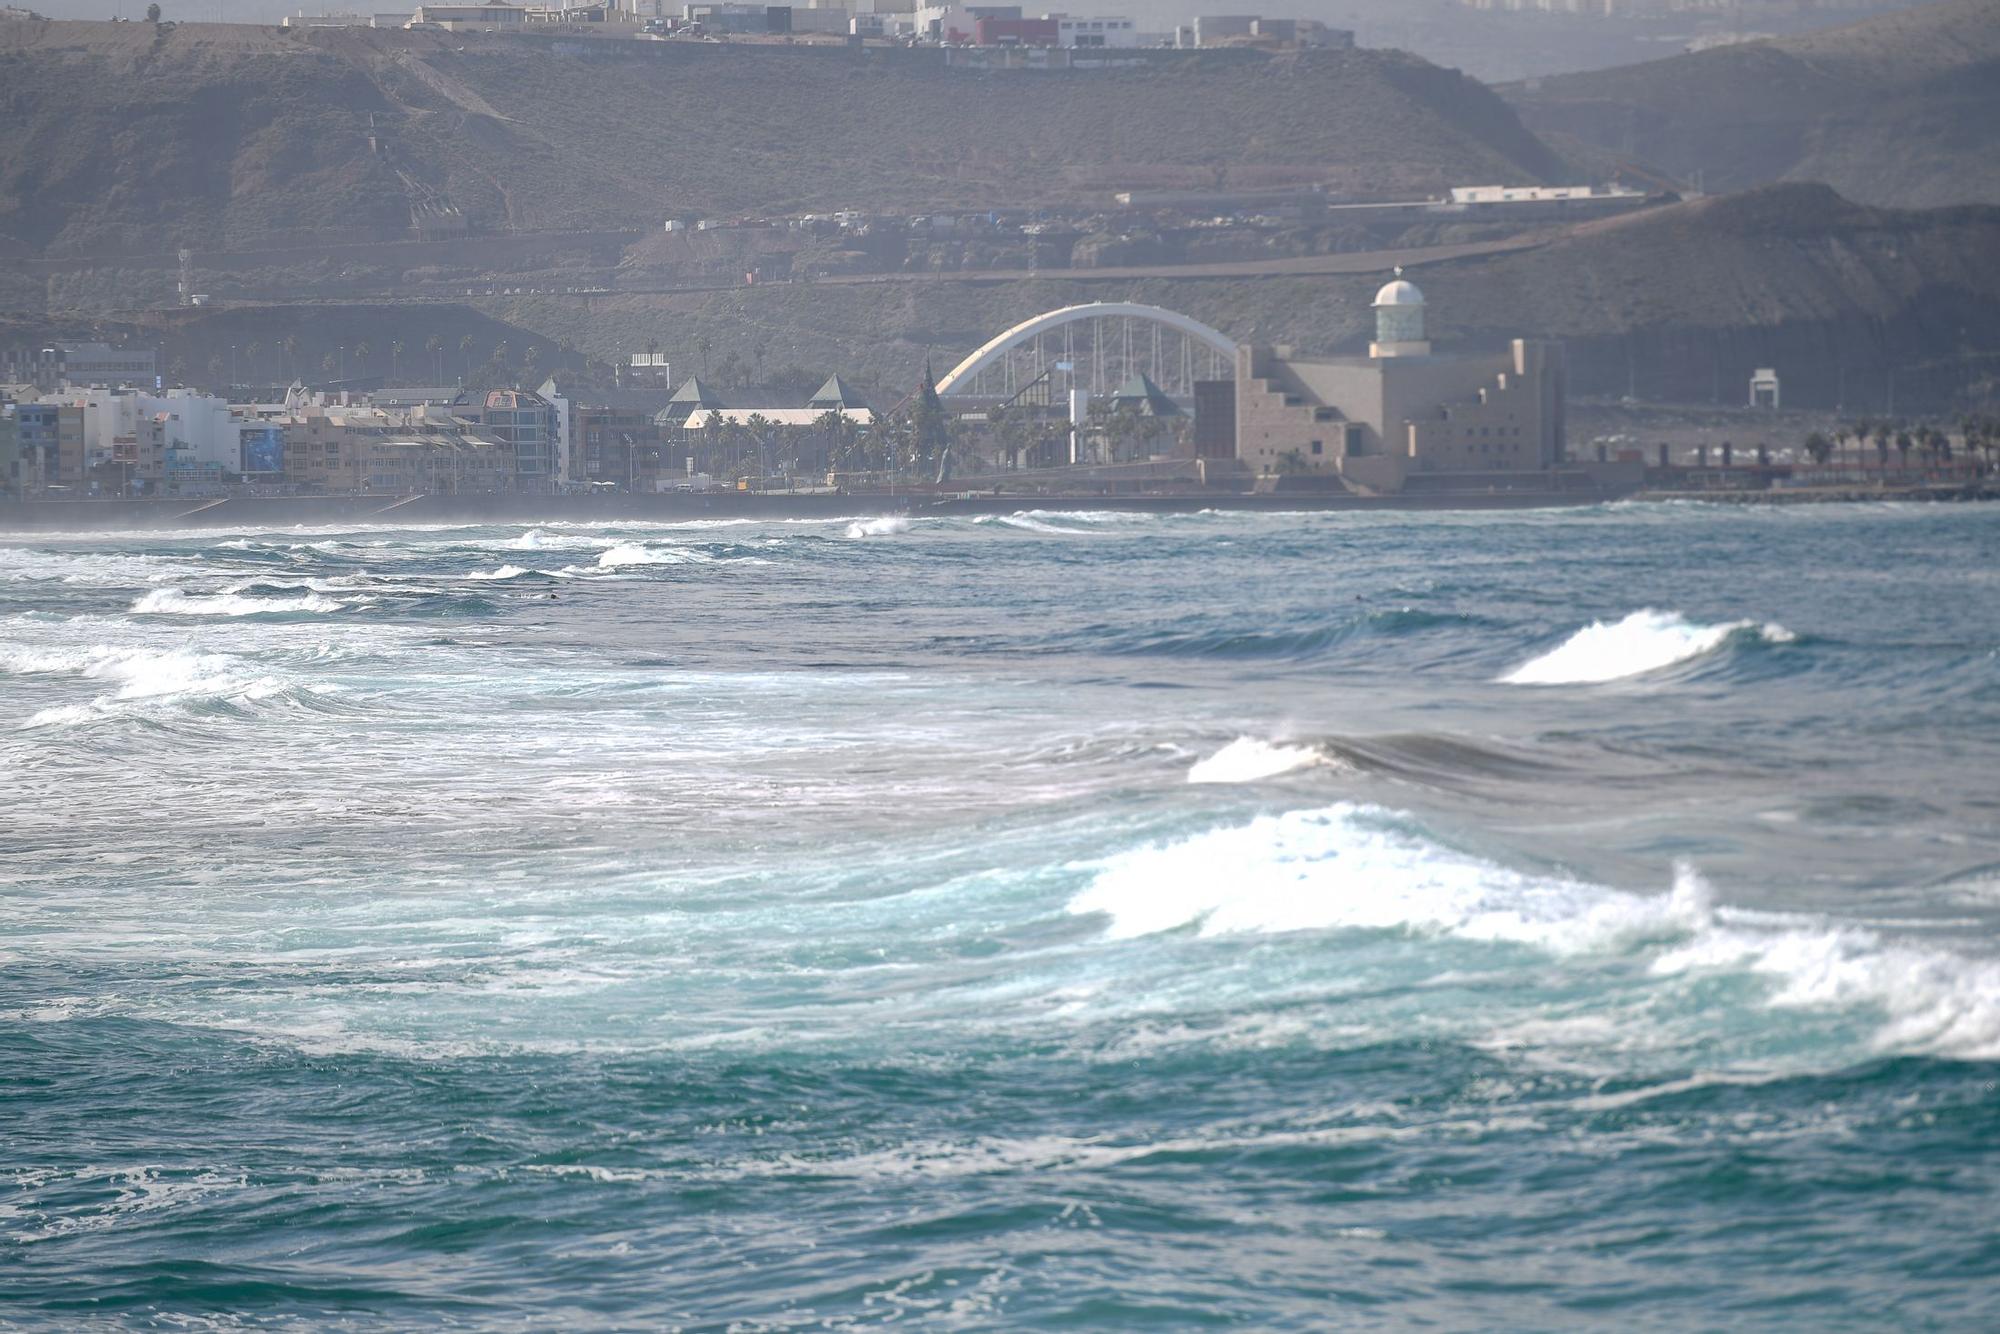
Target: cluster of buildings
<point x="1405" y="417"/>
<point x="114" y="438"/>
<point x="125" y="435"/>
<point x="910" y="21"/>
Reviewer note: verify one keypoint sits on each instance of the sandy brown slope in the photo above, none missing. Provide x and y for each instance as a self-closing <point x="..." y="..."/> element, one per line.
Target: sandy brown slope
<point x="130" y="138"/>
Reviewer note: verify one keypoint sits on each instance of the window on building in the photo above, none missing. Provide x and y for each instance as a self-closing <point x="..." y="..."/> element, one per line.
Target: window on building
<point x="1319" y="447"/>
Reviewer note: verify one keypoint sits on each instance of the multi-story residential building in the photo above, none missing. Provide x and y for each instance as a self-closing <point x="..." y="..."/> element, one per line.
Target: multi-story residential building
<point x="526" y="424"/>
<point x="366" y="451"/>
<point x="618" y="445"/>
<point x="112" y="367"/>
<point x="13" y="484"/>
<point x="40" y="437"/>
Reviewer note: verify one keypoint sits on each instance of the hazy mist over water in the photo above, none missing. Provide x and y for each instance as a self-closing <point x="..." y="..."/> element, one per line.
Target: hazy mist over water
<point x="1064" y="919"/>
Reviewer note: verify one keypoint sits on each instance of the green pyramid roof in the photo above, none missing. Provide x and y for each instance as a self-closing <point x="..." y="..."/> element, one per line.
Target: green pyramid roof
<point x="693" y="391"/>
<point x="836" y="393"/>
<point x="1149" y="398"/>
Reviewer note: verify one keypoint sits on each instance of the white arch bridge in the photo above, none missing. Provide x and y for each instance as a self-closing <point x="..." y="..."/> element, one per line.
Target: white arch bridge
<point x="1095" y="347"/>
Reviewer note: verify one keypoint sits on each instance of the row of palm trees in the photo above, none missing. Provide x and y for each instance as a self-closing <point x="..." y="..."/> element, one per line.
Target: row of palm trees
<point x="1978" y="436"/>
<point x="758" y="448"/>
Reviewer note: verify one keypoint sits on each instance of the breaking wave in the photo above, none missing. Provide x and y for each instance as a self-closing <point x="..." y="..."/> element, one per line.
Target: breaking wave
<point x="633" y="553"/>
<point x="883" y="527"/>
<point x="179" y="602"/>
<point x="1646" y="641"/>
<point x="1358" y="867"/>
<point x="148" y="676"/>
<point x="1248" y="759"/>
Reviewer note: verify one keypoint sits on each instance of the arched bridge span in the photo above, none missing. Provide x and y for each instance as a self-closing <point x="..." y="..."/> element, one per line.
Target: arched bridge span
<point x="1094" y="347"/>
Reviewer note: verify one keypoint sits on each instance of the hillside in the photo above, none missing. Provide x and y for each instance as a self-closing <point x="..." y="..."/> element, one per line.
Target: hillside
<point x="1677" y="304"/>
<point x="1897" y="110"/>
<point x="1850" y="304"/>
<point x="131" y="139"/>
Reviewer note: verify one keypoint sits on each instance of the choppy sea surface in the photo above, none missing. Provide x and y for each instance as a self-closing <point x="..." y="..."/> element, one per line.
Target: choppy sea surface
<point x="1069" y="919"/>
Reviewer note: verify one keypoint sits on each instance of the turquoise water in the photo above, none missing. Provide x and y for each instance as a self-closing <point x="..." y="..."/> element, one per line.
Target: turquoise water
<point x="1065" y="920"/>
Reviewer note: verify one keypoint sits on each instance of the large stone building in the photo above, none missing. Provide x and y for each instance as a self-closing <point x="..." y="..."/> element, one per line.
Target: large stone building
<point x="1405" y="416"/>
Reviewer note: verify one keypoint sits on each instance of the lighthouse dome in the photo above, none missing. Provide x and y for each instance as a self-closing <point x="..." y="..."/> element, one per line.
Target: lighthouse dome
<point x="1401" y="292"/>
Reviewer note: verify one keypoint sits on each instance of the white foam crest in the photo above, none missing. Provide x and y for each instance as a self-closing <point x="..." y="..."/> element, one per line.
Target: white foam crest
<point x="147" y="675"/>
<point x="884" y="527"/>
<point x="1028" y="521"/>
<point x="634" y="553"/>
<point x="1646" y="641"/>
<point x="1356" y="867"/>
<point x="179" y="602"/>
<point x="1091" y="516"/>
<point x="1353" y="866"/>
<point x="87" y="568"/>
<point x="540" y="539"/>
<point x="1936" y="1001"/>
<point x="504" y="572"/>
<point x="1248" y="759"/>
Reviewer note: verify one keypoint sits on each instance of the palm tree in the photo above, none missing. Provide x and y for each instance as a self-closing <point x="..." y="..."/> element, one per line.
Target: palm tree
<point x="1819" y="447"/>
<point x="759" y="427"/>
<point x="251" y="351"/>
<point x="1904" y="444"/>
<point x="291" y="346"/>
<point x="702" y="345"/>
<point x="435" y="346"/>
<point x="465" y="346"/>
<point x="362" y="351"/>
<point x="396" y="360"/>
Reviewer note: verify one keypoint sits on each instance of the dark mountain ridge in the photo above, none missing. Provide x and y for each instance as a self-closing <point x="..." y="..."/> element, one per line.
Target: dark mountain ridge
<point x="1897" y="110"/>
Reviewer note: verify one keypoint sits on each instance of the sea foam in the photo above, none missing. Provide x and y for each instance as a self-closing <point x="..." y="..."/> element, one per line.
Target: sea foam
<point x="179" y="602"/>
<point x="145" y="676"/>
<point x="1358" y="867"/>
<point x="633" y="553"/>
<point x="883" y="527"/>
<point x="1646" y="641"/>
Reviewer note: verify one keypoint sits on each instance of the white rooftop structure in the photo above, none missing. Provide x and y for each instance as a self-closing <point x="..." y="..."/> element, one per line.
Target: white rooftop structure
<point x="1399" y="320"/>
<point x="1401" y="292"/>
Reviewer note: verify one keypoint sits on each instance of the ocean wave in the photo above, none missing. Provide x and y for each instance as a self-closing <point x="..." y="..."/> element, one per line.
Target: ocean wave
<point x="635" y="553"/>
<point x="179" y="602"/>
<point x="1035" y="521"/>
<point x="503" y="573"/>
<point x="84" y="569"/>
<point x="1357" y="867"/>
<point x="1646" y="641"/>
<point x="150" y="676"/>
<point x="1248" y="759"/>
<point x="886" y="526"/>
